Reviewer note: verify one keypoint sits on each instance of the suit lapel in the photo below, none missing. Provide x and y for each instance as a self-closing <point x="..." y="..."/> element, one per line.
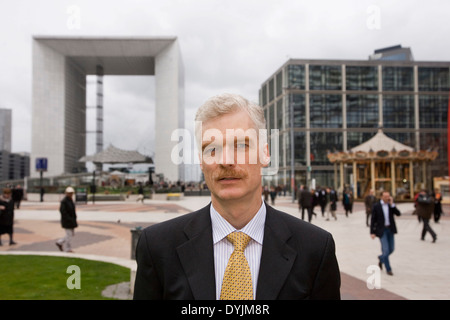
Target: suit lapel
<point x="197" y="256"/>
<point x="277" y="258"/>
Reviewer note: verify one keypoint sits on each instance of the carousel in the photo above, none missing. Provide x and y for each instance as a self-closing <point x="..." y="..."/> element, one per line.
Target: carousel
<point x="381" y="163"/>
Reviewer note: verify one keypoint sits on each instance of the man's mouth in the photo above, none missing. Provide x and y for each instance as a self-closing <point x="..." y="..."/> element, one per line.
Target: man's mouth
<point x="228" y="178"/>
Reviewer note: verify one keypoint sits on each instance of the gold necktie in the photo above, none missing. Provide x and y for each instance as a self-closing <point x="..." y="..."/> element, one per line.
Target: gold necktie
<point x="237" y="280"/>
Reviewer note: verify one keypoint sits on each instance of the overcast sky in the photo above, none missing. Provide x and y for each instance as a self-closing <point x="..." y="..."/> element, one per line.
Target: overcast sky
<point x="226" y="46"/>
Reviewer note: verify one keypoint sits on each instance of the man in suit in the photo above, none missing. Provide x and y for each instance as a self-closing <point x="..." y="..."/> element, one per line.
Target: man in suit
<point x="383" y="226"/>
<point x="188" y="257"/>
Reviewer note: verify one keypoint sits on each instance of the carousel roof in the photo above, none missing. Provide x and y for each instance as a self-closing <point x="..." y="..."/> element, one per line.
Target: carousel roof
<point x="381" y="147"/>
<point x="380" y="142"/>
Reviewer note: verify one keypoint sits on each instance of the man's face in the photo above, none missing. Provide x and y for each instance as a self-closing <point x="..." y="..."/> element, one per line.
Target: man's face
<point x="386" y="197"/>
<point x="231" y="161"/>
<point x="7" y="195"/>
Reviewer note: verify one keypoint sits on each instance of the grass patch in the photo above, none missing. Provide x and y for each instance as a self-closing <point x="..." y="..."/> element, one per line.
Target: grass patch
<point x="30" y="277"/>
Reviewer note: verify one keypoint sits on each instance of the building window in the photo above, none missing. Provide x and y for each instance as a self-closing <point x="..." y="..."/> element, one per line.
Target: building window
<point x="279" y="77"/>
<point x="322" y="143"/>
<point x="325" y="111"/>
<point x="296" y="76"/>
<point x="433" y="111"/>
<point x="279" y="115"/>
<point x="299" y="149"/>
<point x="398" y="79"/>
<point x="271" y="89"/>
<point x="298" y="102"/>
<point x="361" y="78"/>
<point x="362" y="111"/>
<point x="398" y="111"/>
<point x="325" y="77"/>
<point x="434" y="79"/>
<point x="264" y="95"/>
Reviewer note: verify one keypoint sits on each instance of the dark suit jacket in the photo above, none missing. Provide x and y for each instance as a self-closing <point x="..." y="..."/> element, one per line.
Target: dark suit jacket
<point x="377" y="220"/>
<point x="68" y="214"/>
<point x="176" y="261"/>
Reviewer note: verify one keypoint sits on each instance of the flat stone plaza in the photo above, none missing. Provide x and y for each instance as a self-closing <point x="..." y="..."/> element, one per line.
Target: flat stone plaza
<point x="420" y="267"/>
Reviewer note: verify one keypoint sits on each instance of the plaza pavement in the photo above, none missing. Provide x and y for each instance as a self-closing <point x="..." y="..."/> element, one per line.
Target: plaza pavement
<point x="420" y="267"/>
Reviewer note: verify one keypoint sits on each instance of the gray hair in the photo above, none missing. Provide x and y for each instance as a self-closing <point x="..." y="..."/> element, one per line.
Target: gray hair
<point x="224" y="104"/>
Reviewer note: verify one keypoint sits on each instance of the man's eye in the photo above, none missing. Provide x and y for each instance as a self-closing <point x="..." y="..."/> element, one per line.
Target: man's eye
<point x="211" y="151"/>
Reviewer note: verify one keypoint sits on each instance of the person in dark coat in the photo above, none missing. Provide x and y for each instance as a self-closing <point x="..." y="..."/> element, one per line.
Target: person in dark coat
<point x="306" y="202"/>
<point x="425" y="209"/>
<point x="369" y="201"/>
<point x="383" y="226"/>
<point x="17" y="195"/>
<point x="437" y="205"/>
<point x="6" y="215"/>
<point x="68" y="220"/>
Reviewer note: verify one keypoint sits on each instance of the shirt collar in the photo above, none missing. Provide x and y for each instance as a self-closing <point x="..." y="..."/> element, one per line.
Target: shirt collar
<point x="255" y="228"/>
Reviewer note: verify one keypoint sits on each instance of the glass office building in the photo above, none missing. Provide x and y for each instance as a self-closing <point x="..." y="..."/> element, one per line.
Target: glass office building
<point x="322" y="106"/>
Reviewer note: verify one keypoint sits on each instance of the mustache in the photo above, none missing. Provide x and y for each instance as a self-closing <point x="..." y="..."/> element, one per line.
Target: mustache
<point x="230" y="173"/>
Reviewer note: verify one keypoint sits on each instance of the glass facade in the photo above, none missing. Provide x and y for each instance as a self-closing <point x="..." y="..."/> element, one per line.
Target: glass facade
<point x="433" y="111"/>
<point x="362" y="111"/>
<point x="434" y="79"/>
<point x="325" y="110"/>
<point x="296" y="76"/>
<point x="339" y="105"/>
<point x="361" y="78"/>
<point x="322" y="143"/>
<point x="299" y="107"/>
<point x="398" y="111"/>
<point x="299" y="148"/>
<point x="398" y="79"/>
<point x="325" y="77"/>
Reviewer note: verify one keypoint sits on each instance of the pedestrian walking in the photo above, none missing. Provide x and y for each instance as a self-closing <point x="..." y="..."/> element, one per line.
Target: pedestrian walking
<point x="334" y="198"/>
<point x="273" y="195"/>
<point x="369" y="201"/>
<point x="266" y="194"/>
<point x="68" y="220"/>
<point x="437" y="205"/>
<point x="425" y="209"/>
<point x="305" y="201"/>
<point x="331" y="198"/>
<point x="17" y="195"/>
<point x="141" y="193"/>
<point x="347" y="201"/>
<point x="383" y="226"/>
<point x="322" y="200"/>
<point x="7" y="215"/>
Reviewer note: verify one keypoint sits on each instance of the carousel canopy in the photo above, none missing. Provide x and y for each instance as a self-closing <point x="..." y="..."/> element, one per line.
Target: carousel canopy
<point x="115" y="155"/>
<point x="380" y="142"/>
<point x="381" y="147"/>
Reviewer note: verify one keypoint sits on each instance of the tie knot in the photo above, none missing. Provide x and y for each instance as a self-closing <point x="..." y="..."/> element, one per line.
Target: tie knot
<point x="239" y="240"/>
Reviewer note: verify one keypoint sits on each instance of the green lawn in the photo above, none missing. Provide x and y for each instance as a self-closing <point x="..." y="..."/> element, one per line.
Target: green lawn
<point x="45" y="278"/>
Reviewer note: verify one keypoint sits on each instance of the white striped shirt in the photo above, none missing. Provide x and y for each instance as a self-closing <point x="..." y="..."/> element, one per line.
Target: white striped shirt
<point x="223" y="248"/>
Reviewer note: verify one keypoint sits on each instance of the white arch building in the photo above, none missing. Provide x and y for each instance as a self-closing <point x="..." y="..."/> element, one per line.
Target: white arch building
<point x="60" y="66"/>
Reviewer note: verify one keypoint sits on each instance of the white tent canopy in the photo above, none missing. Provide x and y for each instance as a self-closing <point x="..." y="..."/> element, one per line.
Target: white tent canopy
<point x="113" y="155"/>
